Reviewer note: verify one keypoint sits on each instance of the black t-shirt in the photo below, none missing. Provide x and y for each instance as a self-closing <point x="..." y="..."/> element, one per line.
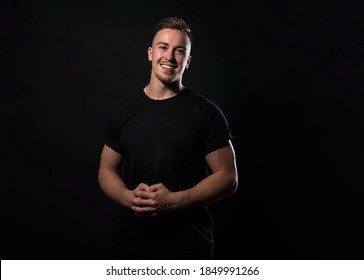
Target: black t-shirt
<point x="165" y="141"/>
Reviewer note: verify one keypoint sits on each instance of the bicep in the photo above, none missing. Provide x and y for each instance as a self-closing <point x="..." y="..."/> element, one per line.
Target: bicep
<point x="222" y="159"/>
<point x="110" y="159"/>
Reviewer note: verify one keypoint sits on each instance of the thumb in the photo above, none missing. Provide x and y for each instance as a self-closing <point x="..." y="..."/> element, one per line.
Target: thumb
<point x="154" y="188"/>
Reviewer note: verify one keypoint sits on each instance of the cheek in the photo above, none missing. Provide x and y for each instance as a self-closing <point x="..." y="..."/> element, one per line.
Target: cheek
<point x="154" y="56"/>
<point x="184" y="62"/>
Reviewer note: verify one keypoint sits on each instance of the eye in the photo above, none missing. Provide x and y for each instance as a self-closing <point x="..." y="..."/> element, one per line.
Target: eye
<point x="162" y="47"/>
<point x="181" y="51"/>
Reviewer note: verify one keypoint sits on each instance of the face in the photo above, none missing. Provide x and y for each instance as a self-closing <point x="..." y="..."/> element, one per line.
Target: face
<point x="170" y="55"/>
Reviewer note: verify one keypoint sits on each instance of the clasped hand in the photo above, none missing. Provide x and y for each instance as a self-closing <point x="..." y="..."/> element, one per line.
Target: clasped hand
<point x="152" y="201"/>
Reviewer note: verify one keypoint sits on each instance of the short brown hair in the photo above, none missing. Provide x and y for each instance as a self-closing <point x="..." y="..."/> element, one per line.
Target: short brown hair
<point x="173" y="23"/>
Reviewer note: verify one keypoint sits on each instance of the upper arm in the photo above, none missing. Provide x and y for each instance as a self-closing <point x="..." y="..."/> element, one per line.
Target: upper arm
<point x="110" y="159"/>
<point x="222" y="159"/>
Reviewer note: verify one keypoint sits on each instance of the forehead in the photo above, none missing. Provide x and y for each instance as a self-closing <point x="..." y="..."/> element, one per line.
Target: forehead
<point x="172" y="37"/>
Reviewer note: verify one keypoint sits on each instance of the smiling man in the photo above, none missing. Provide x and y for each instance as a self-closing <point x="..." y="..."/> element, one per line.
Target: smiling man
<point x="168" y="154"/>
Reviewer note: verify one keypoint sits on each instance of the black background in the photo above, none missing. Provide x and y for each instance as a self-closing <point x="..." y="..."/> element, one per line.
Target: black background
<point x="289" y="76"/>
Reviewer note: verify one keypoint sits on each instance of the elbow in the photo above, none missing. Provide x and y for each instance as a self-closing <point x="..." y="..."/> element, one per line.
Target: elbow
<point x="234" y="184"/>
<point x="101" y="178"/>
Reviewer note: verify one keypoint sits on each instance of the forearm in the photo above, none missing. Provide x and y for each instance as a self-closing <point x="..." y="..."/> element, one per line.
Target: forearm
<point x="113" y="186"/>
<point x="213" y="188"/>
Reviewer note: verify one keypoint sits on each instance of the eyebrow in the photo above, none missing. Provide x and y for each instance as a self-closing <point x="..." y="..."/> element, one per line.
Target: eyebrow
<point x="165" y="43"/>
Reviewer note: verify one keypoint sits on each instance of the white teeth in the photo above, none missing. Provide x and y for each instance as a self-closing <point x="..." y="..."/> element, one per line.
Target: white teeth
<point x="167" y="66"/>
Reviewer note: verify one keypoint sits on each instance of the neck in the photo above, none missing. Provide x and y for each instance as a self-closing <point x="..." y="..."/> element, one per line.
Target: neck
<point x="162" y="91"/>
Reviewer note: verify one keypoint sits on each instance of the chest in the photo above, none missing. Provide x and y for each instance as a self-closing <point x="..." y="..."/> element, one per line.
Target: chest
<point x="170" y="129"/>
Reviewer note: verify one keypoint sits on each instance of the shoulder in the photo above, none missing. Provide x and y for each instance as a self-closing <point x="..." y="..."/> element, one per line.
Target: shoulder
<point x="124" y="102"/>
<point x="203" y="101"/>
<point x="127" y="99"/>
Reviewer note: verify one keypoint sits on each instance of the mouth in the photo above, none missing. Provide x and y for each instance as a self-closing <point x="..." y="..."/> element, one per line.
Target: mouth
<point x="167" y="67"/>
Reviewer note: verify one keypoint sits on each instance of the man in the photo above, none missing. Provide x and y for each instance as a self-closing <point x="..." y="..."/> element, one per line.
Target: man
<point x="167" y="156"/>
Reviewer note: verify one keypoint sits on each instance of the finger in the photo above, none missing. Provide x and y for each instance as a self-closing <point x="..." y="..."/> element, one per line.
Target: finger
<point x="143" y="210"/>
<point x="154" y="188"/>
<point x="142" y="202"/>
<point x="144" y="194"/>
<point x="142" y="187"/>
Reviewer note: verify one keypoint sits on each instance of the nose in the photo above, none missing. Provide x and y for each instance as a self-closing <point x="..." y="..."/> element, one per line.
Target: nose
<point x="169" y="55"/>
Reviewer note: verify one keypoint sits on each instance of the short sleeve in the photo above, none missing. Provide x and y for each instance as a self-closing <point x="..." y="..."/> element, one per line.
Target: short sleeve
<point x="111" y="134"/>
<point x="217" y="130"/>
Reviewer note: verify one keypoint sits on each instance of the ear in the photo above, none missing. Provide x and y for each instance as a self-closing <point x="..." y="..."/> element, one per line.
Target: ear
<point x="150" y="56"/>
<point x="188" y="62"/>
